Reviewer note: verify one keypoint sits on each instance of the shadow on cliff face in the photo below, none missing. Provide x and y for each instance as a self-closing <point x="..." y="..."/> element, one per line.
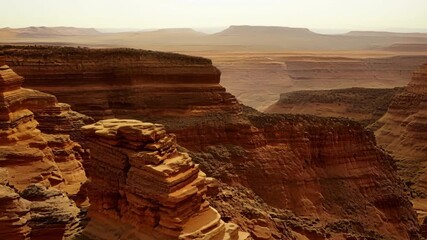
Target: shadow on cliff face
<point x="319" y="168"/>
<point x="327" y="172"/>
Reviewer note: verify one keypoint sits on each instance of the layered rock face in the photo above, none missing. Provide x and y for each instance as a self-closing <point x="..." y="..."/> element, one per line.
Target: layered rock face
<point x="29" y="156"/>
<point x="327" y="171"/>
<point x="139" y="178"/>
<point x="180" y="84"/>
<point x="320" y="168"/>
<point x="403" y="129"/>
<point x="14" y="211"/>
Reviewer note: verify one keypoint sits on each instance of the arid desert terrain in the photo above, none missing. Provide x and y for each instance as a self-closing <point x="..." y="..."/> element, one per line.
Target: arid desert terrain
<point x="248" y="133"/>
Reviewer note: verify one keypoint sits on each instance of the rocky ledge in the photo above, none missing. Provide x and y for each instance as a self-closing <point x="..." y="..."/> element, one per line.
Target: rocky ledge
<point x="39" y="172"/>
<point x="403" y="129"/>
<point x="328" y="172"/>
<point x="139" y="178"/>
<point x="122" y="82"/>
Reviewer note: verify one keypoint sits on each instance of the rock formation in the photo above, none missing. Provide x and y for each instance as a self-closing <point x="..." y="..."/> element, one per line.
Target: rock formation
<point x="158" y="79"/>
<point x="328" y="172"/>
<point x="365" y="105"/>
<point x="14" y="211"/>
<point x="28" y="156"/>
<point x="403" y="129"/>
<point x="139" y="178"/>
<point x="320" y="168"/>
<point x="403" y="132"/>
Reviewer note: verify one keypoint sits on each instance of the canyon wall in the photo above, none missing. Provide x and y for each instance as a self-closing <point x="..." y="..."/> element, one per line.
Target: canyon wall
<point x="403" y="129"/>
<point x="320" y="177"/>
<point x="102" y="79"/>
<point x="41" y="174"/>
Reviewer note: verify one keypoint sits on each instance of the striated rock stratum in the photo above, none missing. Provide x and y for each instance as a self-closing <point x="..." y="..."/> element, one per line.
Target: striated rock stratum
<point x="403" y="129"/>
<point x="96" y="82"/>
<point x="139" y="178"/>
<point x="281" y="176"/>
<point x="403" y="132"/>
<point x="41" y="175"/>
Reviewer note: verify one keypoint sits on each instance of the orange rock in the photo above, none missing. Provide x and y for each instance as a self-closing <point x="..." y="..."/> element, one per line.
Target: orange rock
<point x="29" y="156"/>
<point x="152" y="75"/>
<point x="327" y="169"/>
<point x="403" y="129"/>
<point x="164" y="198"/>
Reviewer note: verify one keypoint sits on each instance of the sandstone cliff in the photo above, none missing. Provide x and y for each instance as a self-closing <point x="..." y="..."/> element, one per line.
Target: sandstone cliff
<point x="29" y="156"/>
<point x="403" y="128"/>
<point x="327" y="172"/>
<point x="403" y="132"/>
<point x="102" y="79"/>
<point x="140" y="179"/>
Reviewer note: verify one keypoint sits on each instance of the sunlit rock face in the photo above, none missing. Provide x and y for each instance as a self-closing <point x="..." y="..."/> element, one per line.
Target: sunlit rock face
<point x="139" y="178"/>
<point x="30" y="156"/>
<point x="123" y="82"/>
<point x="327" y="171"/>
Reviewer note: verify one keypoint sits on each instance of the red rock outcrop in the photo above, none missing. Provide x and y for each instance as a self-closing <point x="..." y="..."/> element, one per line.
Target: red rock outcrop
<point x="14" y="211"/>
<point x="403" y="132"/>
<point x="172" y="81"/>
<point x="29" y="156"/>
<point x="327" y="171"/>
<point x="403" y="129"/>
<point x="320" y="168"/>
<point x="139" y="178"/>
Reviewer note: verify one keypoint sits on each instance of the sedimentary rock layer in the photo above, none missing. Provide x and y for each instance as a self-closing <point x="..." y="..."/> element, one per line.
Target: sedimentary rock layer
<point x="321" y="168"/>
<point x="403" y="129"/>
<point x="29" y="156"/>
<point x="180" y="84"/>
<point x="139" y="178"/>
<point x="327" y="170"/>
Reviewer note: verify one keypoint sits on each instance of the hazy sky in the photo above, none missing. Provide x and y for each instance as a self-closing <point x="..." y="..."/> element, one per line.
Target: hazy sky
<point x="323" y="14"/>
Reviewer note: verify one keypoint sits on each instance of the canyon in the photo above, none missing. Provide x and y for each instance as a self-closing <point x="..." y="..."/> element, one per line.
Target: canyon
<point x="396" y="115"/>
<point x="279" y="176"/>
<point x="44" y="188"/>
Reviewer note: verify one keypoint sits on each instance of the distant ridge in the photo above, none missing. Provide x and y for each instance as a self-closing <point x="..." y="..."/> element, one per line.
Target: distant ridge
<point x="51" y="31"/>
<point x="384" y="34"/>
<point x="234" y="38"/>
<point x="177" y="31"/>
<point x="241" y="30"/>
